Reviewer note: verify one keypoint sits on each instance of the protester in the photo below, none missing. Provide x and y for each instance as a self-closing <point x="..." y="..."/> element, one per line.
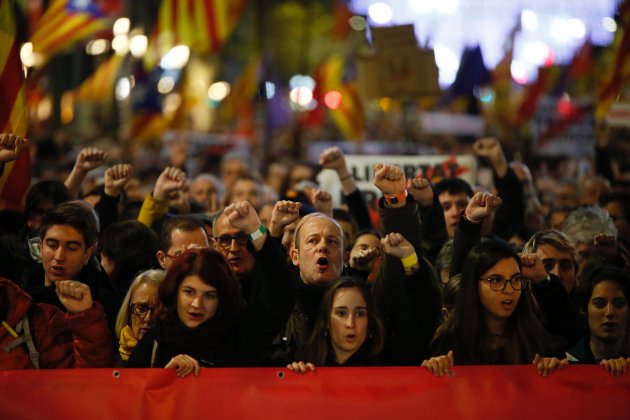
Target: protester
<point x="494" y="318"/>
<point x="137" y="310"/>
<point x="40" y="336"/>
<point x="603" y="298"/>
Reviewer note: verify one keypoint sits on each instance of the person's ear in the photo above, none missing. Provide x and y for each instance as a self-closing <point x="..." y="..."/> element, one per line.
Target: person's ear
<point x="161" y="258"/>
<point x="88" y="253"/>
<point x="294" y="253"/>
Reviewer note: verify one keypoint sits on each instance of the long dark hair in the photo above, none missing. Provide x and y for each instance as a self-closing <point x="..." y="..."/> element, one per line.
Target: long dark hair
<point x="592" y="278"/>
<point x="213" y="269"/>
<point x="465" y="331"/>
<point x="320" y="345"/>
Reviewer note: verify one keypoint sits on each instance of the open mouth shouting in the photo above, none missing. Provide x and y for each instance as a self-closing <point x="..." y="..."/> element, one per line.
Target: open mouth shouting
<point x="508" y="303"/>
<point x="322" y="264"/>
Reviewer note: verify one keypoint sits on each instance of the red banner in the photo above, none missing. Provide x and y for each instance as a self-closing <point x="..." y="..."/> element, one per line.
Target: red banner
<point x="514" y="392"/>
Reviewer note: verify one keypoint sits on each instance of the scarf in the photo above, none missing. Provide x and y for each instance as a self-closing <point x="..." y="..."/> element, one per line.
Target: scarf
<point x="127" y="342"/>
<point x="204" y="343"/>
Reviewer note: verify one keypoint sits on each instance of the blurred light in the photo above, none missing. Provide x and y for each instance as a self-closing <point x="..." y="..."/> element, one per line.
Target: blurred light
<point x="300" y="80"/>
<point x="218" y="91"/>
<point x="537" y="52"/>
<point x="166" y="84"/>
<point x="333" y="99"/>
<point x="550" y="59"/>
<point x="485" y="95"/>
<point x="385" y="104"/>
<point x="27" y="56"/>
<point x="44" y="108"/>
<point x="97" y="47"/>
<point x="576" y="28"/>
<point x="447" y="62"/>
<point x="421" y="6"/>
<point x="171" y="104"/>
<point x="529" y="20"/>
<point x="120" y="44"/>
<point x="380" y="13"/>
<point x="358" y="23"/>
<point x="560" y="30"/>
<point x="121" y="26"/>
<point x="123" y="88"/>
<point x="609" y="24"/>
<point x="447" y="7"/>
<point x="270" y="90"/>
<point x="564" y="104"/>
<point x="67" y="111"/>
<point x="176" y="58"/>
<point x="519" y="72"/>
<point x="138" y="45"/>
<point x="301" y="96"/>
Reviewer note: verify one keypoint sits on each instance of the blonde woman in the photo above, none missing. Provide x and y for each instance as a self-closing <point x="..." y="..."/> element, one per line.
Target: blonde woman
<point x="137" y="310"/>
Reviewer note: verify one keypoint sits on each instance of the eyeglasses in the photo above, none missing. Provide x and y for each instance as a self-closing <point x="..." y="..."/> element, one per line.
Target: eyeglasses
<point x="563" y="264"/>
<point x="225" y="241"/>
<point x="141" y="309"/>
<point x="173" y="256"/>
<point x="498" y="283"/>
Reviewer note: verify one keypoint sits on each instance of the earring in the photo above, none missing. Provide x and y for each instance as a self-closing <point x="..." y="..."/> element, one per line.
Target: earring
<point x="326" y="332"/>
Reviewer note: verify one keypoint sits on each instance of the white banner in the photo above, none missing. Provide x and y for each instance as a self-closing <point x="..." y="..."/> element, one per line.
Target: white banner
<point x="435" y="168"/>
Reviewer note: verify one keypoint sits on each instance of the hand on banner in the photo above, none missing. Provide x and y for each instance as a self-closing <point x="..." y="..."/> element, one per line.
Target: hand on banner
<point x="616" y="367"/>
<point x="301" y="367"/>
<point x="546" y="365"/>
<point x="184" y="365"/>
<point x="440" y="365"/>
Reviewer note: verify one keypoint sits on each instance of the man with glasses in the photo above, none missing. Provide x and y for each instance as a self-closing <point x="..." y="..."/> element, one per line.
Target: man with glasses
<point x="177" y="235"/>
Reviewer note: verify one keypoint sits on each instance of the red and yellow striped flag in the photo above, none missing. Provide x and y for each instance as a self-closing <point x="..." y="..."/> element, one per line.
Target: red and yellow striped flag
<point x="348" y="115"/>
<point x="202" y="25"/>
<point x="99" y="87"/>
<point x="16" y="176"/>
<point x="243" y="89"/>
<point x="64" y="23"/>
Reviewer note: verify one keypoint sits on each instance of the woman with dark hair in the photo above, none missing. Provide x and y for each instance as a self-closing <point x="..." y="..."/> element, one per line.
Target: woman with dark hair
<point x="603" y="300"/>
<point x="198" y="309"/>
<point x="348" y="331"/>
<point x="494" y="319"/>
<point x="201" y="319"/>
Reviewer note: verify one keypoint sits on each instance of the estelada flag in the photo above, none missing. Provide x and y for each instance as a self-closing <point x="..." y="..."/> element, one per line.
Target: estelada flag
<point x="16" y="176"/>
<point x="202" y="25"/>
<point x="66" y="22"/>
<point x="99" y="87"/>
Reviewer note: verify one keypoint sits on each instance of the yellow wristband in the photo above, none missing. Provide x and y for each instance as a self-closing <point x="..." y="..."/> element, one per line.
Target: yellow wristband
<point x="409" y="261"/>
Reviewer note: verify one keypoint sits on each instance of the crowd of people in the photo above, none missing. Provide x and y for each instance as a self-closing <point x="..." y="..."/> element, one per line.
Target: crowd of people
<point x="233" y="269"/>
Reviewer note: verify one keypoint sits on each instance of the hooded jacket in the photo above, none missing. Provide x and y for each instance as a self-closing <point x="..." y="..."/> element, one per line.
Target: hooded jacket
<point x="80" y="340"/>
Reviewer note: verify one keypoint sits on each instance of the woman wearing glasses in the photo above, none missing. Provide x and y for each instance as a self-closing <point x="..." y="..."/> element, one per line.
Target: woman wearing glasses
<point x="494" y="319"/>
<point x="201" y="318"/>
<point x="136" y="311"/>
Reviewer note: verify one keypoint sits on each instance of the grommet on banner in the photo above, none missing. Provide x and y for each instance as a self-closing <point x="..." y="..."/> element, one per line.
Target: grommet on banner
<point x="280" y="374"/>
<point x="116" y="374"/>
